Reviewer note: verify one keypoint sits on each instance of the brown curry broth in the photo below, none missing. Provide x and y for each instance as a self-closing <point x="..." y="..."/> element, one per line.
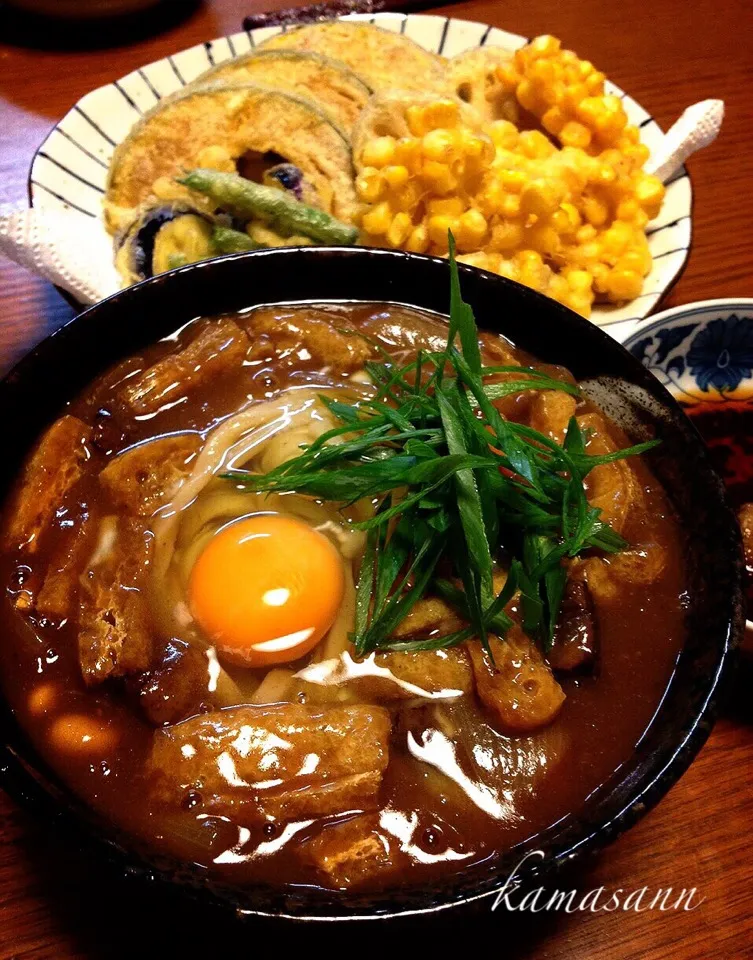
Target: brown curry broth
<point x="602" y="719"/>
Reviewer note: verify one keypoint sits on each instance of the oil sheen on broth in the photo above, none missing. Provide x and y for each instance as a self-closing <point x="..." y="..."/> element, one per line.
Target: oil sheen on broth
<point x="146" y="597"/>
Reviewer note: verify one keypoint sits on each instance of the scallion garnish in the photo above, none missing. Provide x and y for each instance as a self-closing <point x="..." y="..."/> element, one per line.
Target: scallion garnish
<point x="460" y="490"/>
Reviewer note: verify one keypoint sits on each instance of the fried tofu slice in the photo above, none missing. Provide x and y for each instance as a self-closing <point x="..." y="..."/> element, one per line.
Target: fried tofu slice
<point x="115" y="636"/>
<point x="640" y="566"/>
<point x="55" y="466"/>
<point x="550" y="413"/>
<point x="389" y="676"/>
<point x="285" y="761"/>
<point x="401" y="675"/>
<point x="431" y="670"/>
<point x="220" y="346"/>
<point x="57" y="595"/>
<point x="496" y="351"/>
<point x="144" y="477"/>
<point x="427" y="616"/>
<point x="518" y="687"/>
<point x="289" y="335"/>
<point x="348" y="853"/>
<point x="612" y="487"/>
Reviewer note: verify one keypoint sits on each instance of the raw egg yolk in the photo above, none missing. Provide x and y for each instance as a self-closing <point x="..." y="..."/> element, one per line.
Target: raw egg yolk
<point x="266" y="589"/>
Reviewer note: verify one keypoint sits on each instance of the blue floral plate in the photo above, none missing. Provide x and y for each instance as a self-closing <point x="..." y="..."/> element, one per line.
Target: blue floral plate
<point x="702" y="352"/>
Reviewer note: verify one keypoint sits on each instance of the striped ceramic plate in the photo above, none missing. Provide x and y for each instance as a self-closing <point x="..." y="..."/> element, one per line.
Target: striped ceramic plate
<point x="70" y="168"/>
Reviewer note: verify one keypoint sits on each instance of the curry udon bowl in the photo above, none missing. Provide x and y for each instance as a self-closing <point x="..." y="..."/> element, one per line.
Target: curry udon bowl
<point x="578" y="812"/>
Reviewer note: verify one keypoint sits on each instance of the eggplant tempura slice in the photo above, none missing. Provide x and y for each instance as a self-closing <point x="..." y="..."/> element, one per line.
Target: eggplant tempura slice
<point x="330" y="84"/>
<point x="239" y="120"/>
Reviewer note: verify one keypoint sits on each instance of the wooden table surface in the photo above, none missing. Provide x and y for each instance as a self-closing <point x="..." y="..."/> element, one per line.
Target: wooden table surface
<point x="55" y="901"/>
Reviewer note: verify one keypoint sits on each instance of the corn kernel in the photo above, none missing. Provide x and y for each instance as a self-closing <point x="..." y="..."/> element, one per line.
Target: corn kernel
<point x="534" y="274"/>
<point x="370" y="184"/>
<point x="574" y="134"/>
<point x="580" y="304"/>
<point x="472" y="229"/>
<point x="604" y="175"/>
<point x="408" y="153"/>
<point x="649" y="192"/>
<point x="543" y="73"/>
<point x="541" y="198"/>
<point x="418" y="241"/>
<point x="407" y="198"/>
<point x="595" y="83"/>
<point x="624" y="285"/>
<point x="453" y="206"/>
<point x="378" y="152"/>
<point x="535" y="145"/>
<point x="558" y="288"/>
<point x="590" y="252"/>
<point x="600" y="273"/>
<point x="543" y="238"/>
<point x="506" y="236"/>
<point x="513" y="180"/>
<point x="396" y="175"/>
<point x="627" y="209"/>
<point x="475" y="147"/>
<point x="617" y="237"/>
<point x="545" y="45"/>
<point x="440" y="145"/>
<point x="377" y="220"/>
<point x="527" y="96"/>
<point x="399" y="230"/>
<point x="503" y="134"/>
<point x="573" y="94"/>
<point x="595" y="211"/>
<point x="637" y="153"/>
<point x="585" y="233"/>
<point x="438" y="226"/>
<point x="561" y="222"/>
<point x="510" y="206"/>
<point x="414" y="116"/>
<point x="507" y="268"/>
<point x="438" y="177"/>
<point x="553" y="120"/>
<point x="490" y="198"/>
<point x="442" y="113"/>
<point x="638" y="261"/>
<point x="579" y="281"/>
<point x="589" y="110"/>
<point x="572" y="214"/>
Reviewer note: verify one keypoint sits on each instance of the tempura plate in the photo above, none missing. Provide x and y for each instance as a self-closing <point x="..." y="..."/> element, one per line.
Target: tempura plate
<point x="70" y="168"/>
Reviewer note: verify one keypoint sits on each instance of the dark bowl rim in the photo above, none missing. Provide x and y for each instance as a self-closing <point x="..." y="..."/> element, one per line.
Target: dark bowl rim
<point x="21" y="779"/>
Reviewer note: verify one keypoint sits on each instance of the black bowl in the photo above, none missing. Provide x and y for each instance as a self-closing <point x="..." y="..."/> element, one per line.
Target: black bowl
<point x="36" y="391"/>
